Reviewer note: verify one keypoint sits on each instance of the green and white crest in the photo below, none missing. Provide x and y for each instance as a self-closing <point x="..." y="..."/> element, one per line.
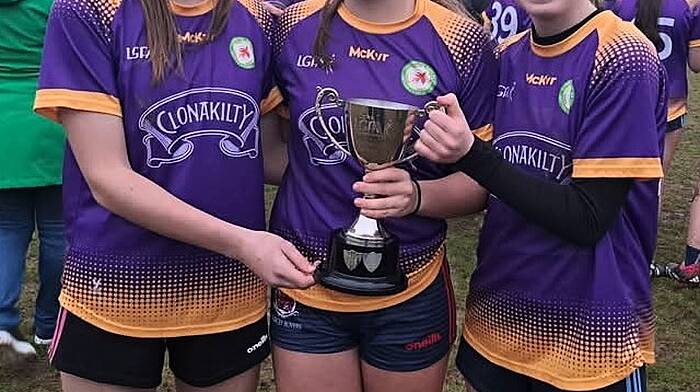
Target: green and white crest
<point x="567" y="95"/>
<point x="242" y="52"/>
<point x="418" y="78"/>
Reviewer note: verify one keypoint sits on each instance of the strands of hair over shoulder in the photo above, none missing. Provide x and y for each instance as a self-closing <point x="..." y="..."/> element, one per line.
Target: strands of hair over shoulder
<point x="331" y="9"/>
<point x="647" y="18"/>
<point x="163" y="35"/>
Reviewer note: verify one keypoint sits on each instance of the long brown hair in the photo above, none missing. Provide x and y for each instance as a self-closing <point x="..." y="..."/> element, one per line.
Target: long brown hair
<point x="331" y="8"/>
<point x="646" y="20"/>
<point x="163" y="35"/>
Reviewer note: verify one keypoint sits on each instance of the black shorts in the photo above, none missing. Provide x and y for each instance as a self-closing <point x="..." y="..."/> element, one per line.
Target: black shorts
<point x="85" y="351"/>
<point x="676" y="124"/>
<point x="407" y="337"/>
<point x="485" y="376"/>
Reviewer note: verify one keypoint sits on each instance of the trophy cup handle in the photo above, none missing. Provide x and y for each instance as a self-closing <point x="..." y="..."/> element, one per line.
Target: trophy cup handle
<point x="427" y="108"/>
<point x="333" y="98"/>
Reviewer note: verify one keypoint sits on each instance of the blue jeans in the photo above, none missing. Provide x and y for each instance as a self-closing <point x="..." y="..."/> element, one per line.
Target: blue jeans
<point x="21" y="211"/>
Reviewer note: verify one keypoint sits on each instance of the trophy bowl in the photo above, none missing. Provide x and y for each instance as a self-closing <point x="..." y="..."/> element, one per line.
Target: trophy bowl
<point x="364" y="258"/>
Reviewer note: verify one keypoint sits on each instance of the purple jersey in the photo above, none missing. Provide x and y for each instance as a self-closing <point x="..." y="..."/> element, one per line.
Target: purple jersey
<point x="506" y="19"/>
<point x="433" y="52"/>
<point x="577" y="317"/>
<point x="679" y="28"/>
<point x="195" y="134"/>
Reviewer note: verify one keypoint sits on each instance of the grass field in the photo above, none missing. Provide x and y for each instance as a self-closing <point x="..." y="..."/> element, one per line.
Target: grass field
<point x="678" y="307"/>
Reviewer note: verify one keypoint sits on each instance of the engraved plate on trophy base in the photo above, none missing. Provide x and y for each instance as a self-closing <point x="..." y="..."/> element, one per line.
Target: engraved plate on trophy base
<point x="362" y="267"/>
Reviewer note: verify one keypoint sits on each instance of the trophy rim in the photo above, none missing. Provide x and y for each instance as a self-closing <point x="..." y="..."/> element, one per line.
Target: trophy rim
<point x="380" y="104"/>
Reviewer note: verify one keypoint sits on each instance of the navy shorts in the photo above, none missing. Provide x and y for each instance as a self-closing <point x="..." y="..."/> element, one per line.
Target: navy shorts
<point x="485" y="376"/>
<point x="410" y="336"/>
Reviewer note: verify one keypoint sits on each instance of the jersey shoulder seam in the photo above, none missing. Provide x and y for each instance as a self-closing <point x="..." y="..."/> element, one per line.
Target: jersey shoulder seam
<point x="293" y="15"/>
<point x="463" y="37"/>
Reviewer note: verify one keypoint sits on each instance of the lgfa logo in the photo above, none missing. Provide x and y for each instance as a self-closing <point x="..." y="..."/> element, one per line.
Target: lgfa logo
<point x="241" y="49"/>
<point x="418" y="78"/>
<point x="540" y="80"/>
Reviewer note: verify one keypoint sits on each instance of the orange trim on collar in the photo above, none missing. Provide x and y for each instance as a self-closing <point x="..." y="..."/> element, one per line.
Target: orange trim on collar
<point x="382" y="28"/>
<point x="574" y="39"/>
<point x="198" y="9"/>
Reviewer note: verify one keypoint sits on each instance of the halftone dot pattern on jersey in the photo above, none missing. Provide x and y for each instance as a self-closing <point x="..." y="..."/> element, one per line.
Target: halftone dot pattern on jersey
<point x="625" y="54"/>
<point x="261" y="15"/>
<point x="146" y="296"/>
<point x="293" y="15"/>
<point x="412" y="256"/>
<point x="580" y="342"/>
<point x="99" y="12"/>
<point x="463" y="37"/>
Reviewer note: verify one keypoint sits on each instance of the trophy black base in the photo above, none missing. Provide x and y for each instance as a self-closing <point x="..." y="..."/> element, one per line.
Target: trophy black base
<point x="361" y="267"/>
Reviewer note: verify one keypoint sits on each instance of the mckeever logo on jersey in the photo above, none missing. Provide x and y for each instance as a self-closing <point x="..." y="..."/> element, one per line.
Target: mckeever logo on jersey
<point x="175" y="124"/>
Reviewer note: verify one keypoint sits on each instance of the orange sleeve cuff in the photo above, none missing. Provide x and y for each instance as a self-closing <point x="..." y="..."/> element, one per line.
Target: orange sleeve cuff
<point x="694" y="43"/>
<point x="642" y="168"/>
<point x="484" y="133"/>
<point x="273" y="100"/>
<point x="48" y="102"/>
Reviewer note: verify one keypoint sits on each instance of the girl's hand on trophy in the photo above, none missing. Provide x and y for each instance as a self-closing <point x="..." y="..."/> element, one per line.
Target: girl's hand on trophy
<point x="446" y="136"/>
<point x="276" y="261"/>
<point x="396" y="194"/>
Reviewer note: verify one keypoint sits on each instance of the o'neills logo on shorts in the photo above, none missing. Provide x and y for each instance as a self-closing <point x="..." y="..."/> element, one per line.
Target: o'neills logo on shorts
<point x="257" y="345"/>
<point x="175" y="125"/>
<point x="428" y="341"/>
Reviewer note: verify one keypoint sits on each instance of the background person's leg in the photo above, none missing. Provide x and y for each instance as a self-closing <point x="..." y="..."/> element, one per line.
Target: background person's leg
<point x="52" y="245"/>
<point x="671" y="141"/>
<point x="16" y="228"/>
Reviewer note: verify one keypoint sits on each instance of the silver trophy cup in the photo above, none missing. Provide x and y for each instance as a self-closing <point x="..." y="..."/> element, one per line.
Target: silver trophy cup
<point x="363" y="259"/>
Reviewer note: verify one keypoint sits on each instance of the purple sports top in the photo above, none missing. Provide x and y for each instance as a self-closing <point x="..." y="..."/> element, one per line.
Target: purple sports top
<point x="196" y="134"/>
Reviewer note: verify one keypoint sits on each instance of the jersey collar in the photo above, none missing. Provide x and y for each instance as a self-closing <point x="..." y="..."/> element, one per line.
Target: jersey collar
<point x="382" y="28"/>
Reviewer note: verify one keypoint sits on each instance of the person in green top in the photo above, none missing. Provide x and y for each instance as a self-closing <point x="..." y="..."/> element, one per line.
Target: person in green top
<point x="31" y="157"/>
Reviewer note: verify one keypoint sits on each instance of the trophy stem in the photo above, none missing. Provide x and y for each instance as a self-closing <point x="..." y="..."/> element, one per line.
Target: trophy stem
<point x="366" y="230"/>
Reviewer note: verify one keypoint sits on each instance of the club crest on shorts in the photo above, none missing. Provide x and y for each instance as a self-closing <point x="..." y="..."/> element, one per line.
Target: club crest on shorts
<point x="241" y="49"/>
<point x="567" y="94"/>
<point x="284" y="306"/>
<point x="418" y="78"/>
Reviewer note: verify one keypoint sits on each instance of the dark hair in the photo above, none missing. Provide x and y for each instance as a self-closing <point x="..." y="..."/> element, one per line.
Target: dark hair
<point x="647" y="20"/>
<point x="163" y="35"/>
<point x="331" y="8"/>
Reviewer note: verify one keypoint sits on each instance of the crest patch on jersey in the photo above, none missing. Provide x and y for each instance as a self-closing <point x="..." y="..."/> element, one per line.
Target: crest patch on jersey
<point x="418" y="78"/>
<point x="567" y="94"/>
<point x="241" y="50"/>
